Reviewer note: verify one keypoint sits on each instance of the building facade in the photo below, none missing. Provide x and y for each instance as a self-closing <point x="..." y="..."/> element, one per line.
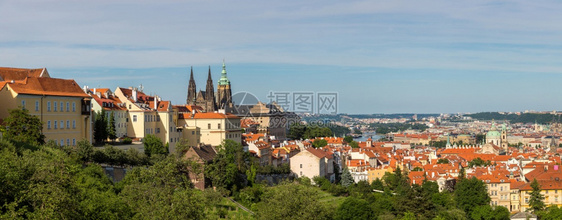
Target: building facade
<point x="60" y="104"/>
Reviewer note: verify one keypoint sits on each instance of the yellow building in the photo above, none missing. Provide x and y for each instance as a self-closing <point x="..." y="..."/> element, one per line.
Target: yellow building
<point x="374" y="174"/>
<point x="148" y="115"/>
<point x="550" y="189"/>
<point x="60" y="104"/>
<point x="106" y="100"/>
<point x="499" y="189"/>
<point x="209" y="128"/>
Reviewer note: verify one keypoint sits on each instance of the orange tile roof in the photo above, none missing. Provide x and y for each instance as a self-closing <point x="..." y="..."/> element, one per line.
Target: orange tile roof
<point x="207" y="115"/>
<point x="545" y="185"/>
<point x="110" y="103"/>
<point x="48" y="86"/>
<point x="316" y="152"/>
<point x="9" y="74"/>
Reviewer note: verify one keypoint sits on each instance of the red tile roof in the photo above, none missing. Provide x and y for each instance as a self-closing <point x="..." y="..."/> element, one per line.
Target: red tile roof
<point x="48" y="86"/>
<point x="9" y="74"/>
<point x="207" y="115"/>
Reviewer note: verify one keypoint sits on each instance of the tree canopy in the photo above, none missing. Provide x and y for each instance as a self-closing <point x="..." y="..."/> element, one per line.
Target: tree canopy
<point x="20" y="126"/>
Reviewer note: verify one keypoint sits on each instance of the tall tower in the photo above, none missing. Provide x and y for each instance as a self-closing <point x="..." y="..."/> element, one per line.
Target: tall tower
<point x="191" y="90"/>
<point x="224" y="94"/>
<point x="504" y="137"/>
<point x="211" y="105"/>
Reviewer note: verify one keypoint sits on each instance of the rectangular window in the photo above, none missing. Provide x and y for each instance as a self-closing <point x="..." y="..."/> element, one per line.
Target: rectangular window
<point x="55" y="106"/>
<point x="68" y="142"/>
<point x="61" y="124"/>
<point x="48" y="124"/>
<point x="192" y="132"/>
<point x="67" y="123"/>
<point x="158" y="130"/>
<point x="74" y="107"/>
<point x="61" y="142"/>
<point x="23" y="104"/>
<point x="67" y="106"/>
<point x="301" y="165"/>
<point x="209" y="126"/>
<point x="55" y="121"/>
<point x="73" y="142"/>
<point x="48" y="106"/>
<point x="73" y="123"/>
<point x="61" y="106"/>
<point x="219" y="126"/>
<point x="134" y="118"/>
<point x="36" y="106"/>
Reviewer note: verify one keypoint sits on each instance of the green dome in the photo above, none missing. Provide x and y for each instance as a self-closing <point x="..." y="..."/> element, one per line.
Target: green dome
<point x="493" y="133"/>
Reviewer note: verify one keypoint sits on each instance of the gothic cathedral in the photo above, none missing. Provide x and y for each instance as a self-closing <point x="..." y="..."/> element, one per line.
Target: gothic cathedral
<point x="207" y="99"/>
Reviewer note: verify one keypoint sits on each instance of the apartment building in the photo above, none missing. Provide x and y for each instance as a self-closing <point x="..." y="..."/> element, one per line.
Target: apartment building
<point x="60" y="104"/>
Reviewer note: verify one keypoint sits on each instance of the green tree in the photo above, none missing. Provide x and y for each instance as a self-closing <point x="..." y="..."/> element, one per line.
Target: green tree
<point x="20" y="126"/>
<point x="377" y="184"/>
<point x="462" y="174"/>
<point x="536" y="201"/>
<point x="348" y="139"/>
<point x="471" y="193"/>
<point x="354" y="208"/>
<point x="293" y="201"/>
<point x="111" y="131"/>
<point x="485" y="212"/>
<point x="153" y="145"/>
<point x="100" y="126"/>
<point x="552" y="213"/>
<point x="479" y="163"/>
<point x="354" y="144"/>
<point x="230" y="162"/>
<point x="296" y="131"/>
<point x="162" y="191"/>
<point x="182" y="147"/>
<point x="317" y="143"/>
<point x="346" y="178"/>
<point x="85" y="150"/>
<point x="443" y="161"/>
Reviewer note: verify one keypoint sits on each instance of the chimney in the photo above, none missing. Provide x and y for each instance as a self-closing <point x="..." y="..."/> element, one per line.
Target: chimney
<point x="155" y="102"/>
<point x="134" y="94"/>
<point x="95" y="91"/>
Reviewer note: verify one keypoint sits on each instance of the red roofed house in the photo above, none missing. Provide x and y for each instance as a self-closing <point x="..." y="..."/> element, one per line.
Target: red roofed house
<point x="148" y="115"/>
<point x="312" y="162"/>
<point x="209" y="127"/>
<point x="263" y="151"/>
<point x="60" y="104"/>
<point x="106" y="100"/>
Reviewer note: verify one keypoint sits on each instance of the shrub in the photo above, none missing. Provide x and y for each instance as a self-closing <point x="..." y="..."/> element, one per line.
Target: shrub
<point x="127" y="140"/>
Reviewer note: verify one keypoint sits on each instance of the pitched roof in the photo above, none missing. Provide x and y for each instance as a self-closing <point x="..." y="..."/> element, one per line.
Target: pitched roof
<point x="316" y="152"/>
<point x="9" y="74"/>
<point x="207" y="115"/>
<point x="48" y="86"/>
<point x="205" y="152"/>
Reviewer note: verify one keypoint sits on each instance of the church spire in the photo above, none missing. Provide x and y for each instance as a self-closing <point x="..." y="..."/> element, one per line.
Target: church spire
<point x="223" y="80"/>
<point x="191" y="90"/>
<point x="210" y="94"/>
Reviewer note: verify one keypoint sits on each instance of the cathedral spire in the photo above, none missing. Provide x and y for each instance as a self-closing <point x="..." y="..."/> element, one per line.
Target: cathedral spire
<point x="210" y="94"/>
<point x="191" y="90"/>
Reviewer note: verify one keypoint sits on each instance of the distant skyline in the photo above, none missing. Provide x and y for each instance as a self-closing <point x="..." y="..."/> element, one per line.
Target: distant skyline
<point x="380" y="56"/>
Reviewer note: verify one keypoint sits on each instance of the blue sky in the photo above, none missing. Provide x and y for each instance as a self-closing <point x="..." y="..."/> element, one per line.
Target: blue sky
<point x="380" y="56"/>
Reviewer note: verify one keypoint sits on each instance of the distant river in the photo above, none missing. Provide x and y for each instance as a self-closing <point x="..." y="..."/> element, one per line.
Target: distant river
<point x="367" y="135"/>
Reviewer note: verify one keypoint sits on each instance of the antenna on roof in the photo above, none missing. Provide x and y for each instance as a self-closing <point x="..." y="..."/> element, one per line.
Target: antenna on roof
<point x="141" y="87"/>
